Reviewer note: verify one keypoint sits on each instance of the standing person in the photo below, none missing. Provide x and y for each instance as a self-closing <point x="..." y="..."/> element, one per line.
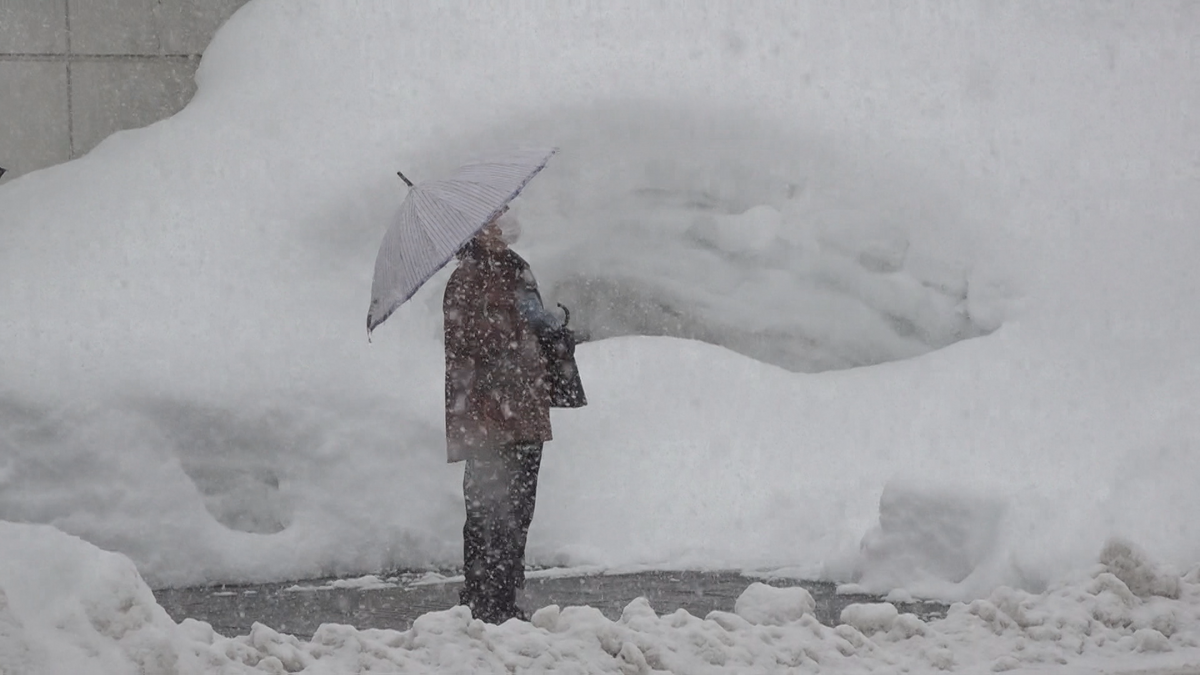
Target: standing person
<point x="497" y="413"/>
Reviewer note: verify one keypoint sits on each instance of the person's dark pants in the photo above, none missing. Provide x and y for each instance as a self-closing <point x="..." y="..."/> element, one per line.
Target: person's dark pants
<point x="499" y="491"/>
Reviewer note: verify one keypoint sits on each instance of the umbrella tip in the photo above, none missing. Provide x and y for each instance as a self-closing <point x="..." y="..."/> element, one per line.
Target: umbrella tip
<point x="404" y="178"/>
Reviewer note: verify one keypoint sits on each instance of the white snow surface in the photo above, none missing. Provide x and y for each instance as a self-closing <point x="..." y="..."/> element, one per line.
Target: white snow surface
<point x="67" y="607"/>
<point x="763" y="604"/>
<point x="750" y="199"/>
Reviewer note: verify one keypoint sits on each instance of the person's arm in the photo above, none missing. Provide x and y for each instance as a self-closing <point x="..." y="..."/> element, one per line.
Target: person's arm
<point x="529" y="304"/>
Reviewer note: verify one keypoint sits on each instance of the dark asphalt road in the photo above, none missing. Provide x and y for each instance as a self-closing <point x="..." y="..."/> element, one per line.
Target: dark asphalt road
<point x="233" y="609"/>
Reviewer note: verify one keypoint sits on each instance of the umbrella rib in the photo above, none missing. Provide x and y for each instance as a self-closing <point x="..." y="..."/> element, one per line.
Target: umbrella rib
<point x="447" y="200"/>
<point x="426" y="200"/>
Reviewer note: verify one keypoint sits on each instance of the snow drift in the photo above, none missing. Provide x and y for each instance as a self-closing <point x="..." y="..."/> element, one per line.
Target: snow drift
<point x="184" y="378"/>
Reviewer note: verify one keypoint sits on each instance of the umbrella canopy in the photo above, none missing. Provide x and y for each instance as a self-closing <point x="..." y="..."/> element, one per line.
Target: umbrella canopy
<point x="437" y="218"/>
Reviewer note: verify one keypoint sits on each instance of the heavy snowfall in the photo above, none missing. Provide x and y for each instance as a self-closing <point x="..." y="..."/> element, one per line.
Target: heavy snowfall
<point x="898" y="297"/>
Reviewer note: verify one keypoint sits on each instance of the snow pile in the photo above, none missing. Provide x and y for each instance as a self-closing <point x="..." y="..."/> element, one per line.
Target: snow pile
<point x="926" y="534"/>
<point x="67" y="607"/>
<point x="1096" y="613"/>
<point x="880" y="617"/>
<point x="184" y="375"/>
<point x="1142" y="577"/>
<point x="763" y="604"/>
<point x="71" y="608"/>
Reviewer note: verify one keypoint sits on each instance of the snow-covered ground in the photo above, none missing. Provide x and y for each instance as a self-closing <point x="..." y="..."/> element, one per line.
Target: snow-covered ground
<point x="67" y="607"/>
<point x="992" y="207"/>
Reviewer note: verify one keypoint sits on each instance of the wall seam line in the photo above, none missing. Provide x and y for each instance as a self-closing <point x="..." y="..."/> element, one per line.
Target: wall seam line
<point x="70" y="87"/>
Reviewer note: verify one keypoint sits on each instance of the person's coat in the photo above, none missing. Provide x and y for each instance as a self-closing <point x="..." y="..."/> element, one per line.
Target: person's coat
<point x="496" y="390"/>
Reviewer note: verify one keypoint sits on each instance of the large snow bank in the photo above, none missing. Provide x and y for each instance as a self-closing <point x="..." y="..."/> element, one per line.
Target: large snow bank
<point x="184" y="375"/>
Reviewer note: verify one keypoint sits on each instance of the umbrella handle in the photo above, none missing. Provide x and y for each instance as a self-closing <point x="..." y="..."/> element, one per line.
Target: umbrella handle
<point x="566" y="314"/>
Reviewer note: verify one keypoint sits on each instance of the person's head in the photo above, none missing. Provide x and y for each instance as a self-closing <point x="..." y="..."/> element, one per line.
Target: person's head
<point x="489" y="238"/>
<point x="510" y="228"/>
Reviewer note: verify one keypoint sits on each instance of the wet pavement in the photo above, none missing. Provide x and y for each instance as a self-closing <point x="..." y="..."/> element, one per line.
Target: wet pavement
<point x="300" y="608"/>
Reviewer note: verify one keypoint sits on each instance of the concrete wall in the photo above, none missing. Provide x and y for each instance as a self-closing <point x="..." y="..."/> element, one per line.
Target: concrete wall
<point x="74" y="71"/>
